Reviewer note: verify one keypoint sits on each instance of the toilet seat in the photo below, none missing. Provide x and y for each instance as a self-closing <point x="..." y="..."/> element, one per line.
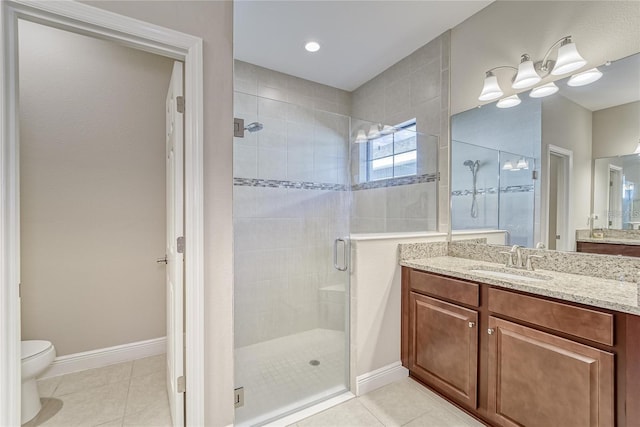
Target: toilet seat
<point x="33" y="348"/>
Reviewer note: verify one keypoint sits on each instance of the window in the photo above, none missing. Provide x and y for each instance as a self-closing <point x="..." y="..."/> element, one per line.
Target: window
<point x="393" y="155"/>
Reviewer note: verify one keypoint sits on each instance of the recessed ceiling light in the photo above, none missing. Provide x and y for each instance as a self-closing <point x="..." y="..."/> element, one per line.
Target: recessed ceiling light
<point x="312" y="46"/>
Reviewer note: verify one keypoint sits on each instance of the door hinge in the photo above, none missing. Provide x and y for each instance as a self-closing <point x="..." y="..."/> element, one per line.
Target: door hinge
<point x="180" y="244"/>
<point x="180" y="104"/>
<point x="181" y="384"/>
<point x="534" y="174"/>
<point x="238" y="397"/>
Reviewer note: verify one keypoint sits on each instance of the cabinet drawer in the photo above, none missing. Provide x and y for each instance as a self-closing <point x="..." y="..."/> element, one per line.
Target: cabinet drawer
<point x="444" y="287"/>
<point x="580" y="322"/>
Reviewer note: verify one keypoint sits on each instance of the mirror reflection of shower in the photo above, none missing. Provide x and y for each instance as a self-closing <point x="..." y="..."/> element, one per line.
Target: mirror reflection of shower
<point x="473" y="167"/>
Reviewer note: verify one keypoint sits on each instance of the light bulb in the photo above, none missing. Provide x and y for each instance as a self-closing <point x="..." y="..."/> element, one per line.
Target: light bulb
<point x="491" y="89"/>
<point x="585" y="77"/>
<point x="544" y="90"/>
<point x="508" y="102"/>
<point x="568" y="58"/>
<point x="526" y="76"/>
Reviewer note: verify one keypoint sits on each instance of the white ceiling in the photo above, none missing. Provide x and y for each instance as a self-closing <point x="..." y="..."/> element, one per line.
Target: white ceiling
<point x="359" y="39"/>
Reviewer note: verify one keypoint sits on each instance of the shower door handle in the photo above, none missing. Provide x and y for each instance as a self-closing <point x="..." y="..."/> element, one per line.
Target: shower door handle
<point x="344" y="254"/>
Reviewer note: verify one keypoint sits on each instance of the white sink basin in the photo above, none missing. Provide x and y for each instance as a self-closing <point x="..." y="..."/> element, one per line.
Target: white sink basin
<point x="529" y="277"/>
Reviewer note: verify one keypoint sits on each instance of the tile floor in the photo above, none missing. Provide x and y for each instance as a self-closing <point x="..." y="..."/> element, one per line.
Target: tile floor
<point x="277" y="376"/>
<point x="403" y="403"/>
<point x="126" y="394"/>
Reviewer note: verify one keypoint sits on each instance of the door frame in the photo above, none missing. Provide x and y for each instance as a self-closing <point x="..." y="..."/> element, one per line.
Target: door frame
<point x="94" y="22"/>
<point x="567" y="167"/>
<point x="617" y="170"/>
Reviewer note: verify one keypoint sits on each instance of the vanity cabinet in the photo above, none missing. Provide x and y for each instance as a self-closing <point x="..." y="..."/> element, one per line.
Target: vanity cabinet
<point x="516" y="359"/>
<point x="442" y="341"/>
<point x="538" y="379"/>
<point x="443" y="348"/>
<point x="608" y="248"/>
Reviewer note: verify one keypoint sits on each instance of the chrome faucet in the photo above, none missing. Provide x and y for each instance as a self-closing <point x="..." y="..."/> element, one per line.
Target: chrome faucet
<point x="515" y="249"/>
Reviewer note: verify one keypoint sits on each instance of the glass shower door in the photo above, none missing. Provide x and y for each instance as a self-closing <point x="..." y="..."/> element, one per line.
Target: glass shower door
<point x="291" y="288"/>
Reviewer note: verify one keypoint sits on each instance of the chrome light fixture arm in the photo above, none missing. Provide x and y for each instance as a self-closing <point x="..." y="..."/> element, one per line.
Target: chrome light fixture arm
<point x="547" y="64"/>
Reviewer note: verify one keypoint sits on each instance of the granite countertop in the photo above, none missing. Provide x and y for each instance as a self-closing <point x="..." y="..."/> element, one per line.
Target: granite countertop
<point x="619" y="295"/>
<point x="609" y="240"/>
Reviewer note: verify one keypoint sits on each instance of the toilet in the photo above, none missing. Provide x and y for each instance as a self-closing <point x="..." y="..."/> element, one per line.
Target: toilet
<point x="36" y="357"/>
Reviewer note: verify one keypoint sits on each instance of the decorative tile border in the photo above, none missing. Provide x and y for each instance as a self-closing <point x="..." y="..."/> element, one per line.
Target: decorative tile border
<point x="494" y="190"/>
<point x="301" y="185"/>
<point x="306" y="185"/>
<point x="395" y="182"/>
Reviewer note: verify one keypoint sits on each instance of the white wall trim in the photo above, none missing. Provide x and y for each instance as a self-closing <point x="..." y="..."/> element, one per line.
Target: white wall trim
<point x="105" y="357"/>
<point x="380" y="377"/>
<point x="94" y="22"/>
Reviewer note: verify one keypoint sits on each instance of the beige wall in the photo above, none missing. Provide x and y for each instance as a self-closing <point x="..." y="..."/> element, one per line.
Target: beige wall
<point x="616" y="130"/>
<point x="92" y="190"/>
<point x="213" y="22"/>
<point x="557" y="111"/>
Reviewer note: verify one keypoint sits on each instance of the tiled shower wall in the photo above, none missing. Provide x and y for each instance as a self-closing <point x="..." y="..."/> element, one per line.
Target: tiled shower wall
<point x="415" y="87"/>
<point x="289" y="205"/>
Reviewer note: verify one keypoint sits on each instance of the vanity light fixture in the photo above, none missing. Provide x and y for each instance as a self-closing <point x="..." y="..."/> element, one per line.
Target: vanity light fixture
<point x="508" y="102"/>
<point x="544" y="90"/>
<point x="522" y="164"/>
<point x="491" y="89"/>
<point x="387" y="130"/>
<point x="507" y="166"/>
<point x="361" y="137"/>
<point x="530" y="73"/>
<point x="585" y="77"/>
<point x="312" y="46"/>
<point x="374" y="132"/>
<point x="568" y="59"/>
<point x="527" y="75"/>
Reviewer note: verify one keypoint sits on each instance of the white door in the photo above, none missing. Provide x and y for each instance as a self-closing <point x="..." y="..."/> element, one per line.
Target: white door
<point x="175" y="255"/>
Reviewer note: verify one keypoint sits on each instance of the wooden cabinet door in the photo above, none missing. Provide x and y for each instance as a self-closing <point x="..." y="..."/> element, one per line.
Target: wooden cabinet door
<point x="443" y="347"/>
<point x="540" y="380"/>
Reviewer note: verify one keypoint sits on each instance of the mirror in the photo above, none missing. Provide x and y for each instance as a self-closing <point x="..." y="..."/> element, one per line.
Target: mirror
<point x="616" y="199"/>
<point x="570" y="146"/>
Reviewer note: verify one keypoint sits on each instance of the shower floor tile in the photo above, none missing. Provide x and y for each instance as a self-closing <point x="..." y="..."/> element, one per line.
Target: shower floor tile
<point x="281" y="375"/>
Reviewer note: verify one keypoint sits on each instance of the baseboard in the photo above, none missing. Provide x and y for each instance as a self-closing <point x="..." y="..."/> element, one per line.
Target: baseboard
<point x="105" y="357"/>
<point x="380" y="377"/>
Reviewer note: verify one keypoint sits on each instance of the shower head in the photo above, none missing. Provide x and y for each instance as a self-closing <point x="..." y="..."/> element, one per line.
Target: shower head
<point x="253" y="127"/>
<point x="473" y="166"/>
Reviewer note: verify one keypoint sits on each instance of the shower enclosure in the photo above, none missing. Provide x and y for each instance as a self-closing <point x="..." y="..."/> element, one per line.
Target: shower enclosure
<point x="493" y="189"/>
<point x="291" y="226"/>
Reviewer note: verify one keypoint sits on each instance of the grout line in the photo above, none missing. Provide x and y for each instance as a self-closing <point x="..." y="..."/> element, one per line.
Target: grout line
<point x="126" y="400"/>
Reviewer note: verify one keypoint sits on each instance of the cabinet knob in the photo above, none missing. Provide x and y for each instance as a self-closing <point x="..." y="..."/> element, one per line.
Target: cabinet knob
<point x="472" y="324"/>
<point x="490" y="331"/>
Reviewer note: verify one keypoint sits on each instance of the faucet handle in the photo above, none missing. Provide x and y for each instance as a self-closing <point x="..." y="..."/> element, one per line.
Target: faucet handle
<point x="530" y="264"/>
<point x="509" y="262"/>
